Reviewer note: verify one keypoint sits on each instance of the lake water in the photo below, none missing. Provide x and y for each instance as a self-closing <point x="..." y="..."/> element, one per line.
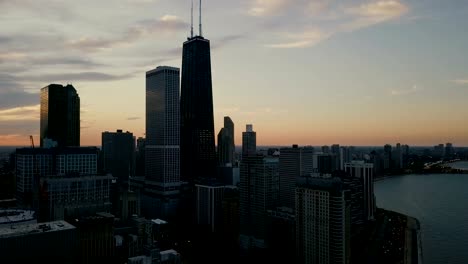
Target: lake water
<point x="461" y="165"/>
<point x="440" y="202"/>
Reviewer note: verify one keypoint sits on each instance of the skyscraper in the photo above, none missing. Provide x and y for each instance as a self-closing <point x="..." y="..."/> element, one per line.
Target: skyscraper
<point x="249" y="141"/>
<point x="322" y="232"/>
<point x="60" y="116"/>
<point x="226" y="147"/>
<point x="197" y="145"/>
<point x="365" y="172"/>
<point x="118" y="150"/>
<point x="294" y="163"/>
<point x="162" y="129"/>
<point x="259" y="192"/>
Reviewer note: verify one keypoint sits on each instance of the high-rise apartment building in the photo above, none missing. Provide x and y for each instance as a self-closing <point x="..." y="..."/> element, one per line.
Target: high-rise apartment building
<point x="249" y="141"/>
<point x="118" y="151"/>
<point x="60" y="116"/>
<point x="365" y="172"/>
<point x="322" y="222"/>
<point x="197" y="145"/>
<point x="259" y="192"/>
<point x="294" y="163"/>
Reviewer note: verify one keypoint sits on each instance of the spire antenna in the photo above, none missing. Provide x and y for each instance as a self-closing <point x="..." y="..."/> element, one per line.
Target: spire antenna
<point x="200" y="29"/>
<point x="191" y="25"/>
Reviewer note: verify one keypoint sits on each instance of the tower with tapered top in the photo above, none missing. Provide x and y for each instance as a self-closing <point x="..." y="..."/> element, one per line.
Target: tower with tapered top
<point x="197" y="146"/>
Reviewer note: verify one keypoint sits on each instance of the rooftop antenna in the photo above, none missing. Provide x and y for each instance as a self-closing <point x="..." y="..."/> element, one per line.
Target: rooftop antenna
<point x="191" y="27"/>
<point x="200" y="29"/>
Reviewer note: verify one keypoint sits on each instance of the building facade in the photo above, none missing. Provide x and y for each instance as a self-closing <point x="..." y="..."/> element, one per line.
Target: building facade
<point x="60" y="116"/>
<point x="249" y="141"/>
<point x="118" y="152"/>
<point x="258" y="192"/>
<point x="163" y="128"/>
<point x="294" y="163"/>
<point x="198" y="152"/>
<point x="364" y="172"/>
<point x="322" y="217"/>
<point x="226" y="146"/>
<point x="33" y="164"/>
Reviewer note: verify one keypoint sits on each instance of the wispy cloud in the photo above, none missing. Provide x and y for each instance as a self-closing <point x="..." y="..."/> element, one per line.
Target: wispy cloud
<point x="133" y="118"/>
<point x="20" y="113"/>
<point x="372" y="13"/>
<point x="412" y="90"/>
<point x="306" y="39"/>
<point x="164" y="25"/>
<point x="334" y="18"/>
<point x="460" y="81"/>
<point x="74" y="77"/>
<point x="262" y="8"/>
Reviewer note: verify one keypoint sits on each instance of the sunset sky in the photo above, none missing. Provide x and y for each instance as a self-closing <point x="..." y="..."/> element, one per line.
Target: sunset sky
<point x="354" y="72"/>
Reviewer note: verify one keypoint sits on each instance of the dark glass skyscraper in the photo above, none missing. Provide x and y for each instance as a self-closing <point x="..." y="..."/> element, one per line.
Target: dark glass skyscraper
<point x="118" y="150"/>
<point x="226" y="147"/>
<point x="197" y="146"/>
<point x="60" y="115"/>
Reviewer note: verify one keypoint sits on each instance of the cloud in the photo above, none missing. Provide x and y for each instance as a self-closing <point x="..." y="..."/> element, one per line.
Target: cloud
<point x="460" y="81"/>
<point x="260" y="8"/>
<point x="20" y="113"/>
<point x="373" y="13"/>
<point x="133" y="118"/>
<point x="412" y="90"/>
<point x="165" y="25"/>
<point x="74" y="77"/>
<point x="334" y="18"/>
<point x="306" y="39"/>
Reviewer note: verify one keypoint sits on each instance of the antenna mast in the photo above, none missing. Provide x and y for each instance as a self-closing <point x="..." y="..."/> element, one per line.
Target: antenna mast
<point x="200" y="29"/>
<point x="191" y="25"/>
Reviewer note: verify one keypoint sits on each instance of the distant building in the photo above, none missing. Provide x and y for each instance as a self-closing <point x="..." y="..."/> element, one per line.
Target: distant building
<point x="449" y="150"/>
<point x="345" y="157"/>
<point x="259" y="192"/>
<point x="51" y="242"/>
<point x="364" y="172"/>
<point x="398" y="156"/>
<point x="326" y="149"/>
<point x="388" y="159"/>
<point x="60" y="116"/>
<point x="33" y="164"/>
<point x="118" y="150"/>
<point x="249" y="141"/>
<point x="140" y="157"/>
<point x="322" y="222"/>
<point x="294" y="163"/>
<point x="326" y="163"/>
<point x="226" y="146"/>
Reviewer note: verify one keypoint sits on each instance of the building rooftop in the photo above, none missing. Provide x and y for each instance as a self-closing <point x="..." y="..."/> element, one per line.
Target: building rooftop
<point x="159" y="221"/>
<point x="29" y="229"/>
<point x="15" y="216"/>
<point x="57" y="151"/>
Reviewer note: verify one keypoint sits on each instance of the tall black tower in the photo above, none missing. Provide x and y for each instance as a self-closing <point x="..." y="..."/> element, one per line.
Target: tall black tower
<point x="198" y="154"/>
<point x="60" y="115"/>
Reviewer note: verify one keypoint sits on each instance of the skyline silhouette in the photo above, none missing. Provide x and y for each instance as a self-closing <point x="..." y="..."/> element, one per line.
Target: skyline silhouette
<point x="363" y="73"/>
